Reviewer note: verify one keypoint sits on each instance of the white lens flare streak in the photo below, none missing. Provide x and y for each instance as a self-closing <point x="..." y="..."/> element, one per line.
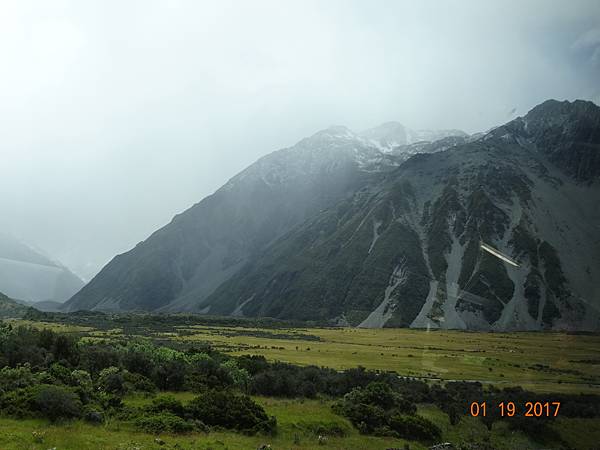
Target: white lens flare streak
<point x="497" y="254"/>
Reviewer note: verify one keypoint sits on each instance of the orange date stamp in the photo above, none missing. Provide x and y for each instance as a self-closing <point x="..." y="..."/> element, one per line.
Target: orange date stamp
<point x="510" y="409"/>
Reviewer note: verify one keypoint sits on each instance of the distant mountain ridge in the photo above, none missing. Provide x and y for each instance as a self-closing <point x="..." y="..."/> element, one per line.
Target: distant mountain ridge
<point x="27" y="274"/>
<point x="391" y="135"/>
<point x="373" y="229"/>
<point x="9" y="308"/>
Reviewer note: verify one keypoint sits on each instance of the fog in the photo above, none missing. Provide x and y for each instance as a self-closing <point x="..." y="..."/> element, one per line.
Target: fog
<point x="116" y="115"/>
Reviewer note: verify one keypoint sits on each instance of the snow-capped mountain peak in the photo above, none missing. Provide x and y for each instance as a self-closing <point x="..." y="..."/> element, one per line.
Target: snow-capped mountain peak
<point x="391" y="135"/>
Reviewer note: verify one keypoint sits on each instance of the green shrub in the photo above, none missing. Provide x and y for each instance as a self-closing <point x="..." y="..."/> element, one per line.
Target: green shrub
<point x="414" y="427"/>
<point x="137" y="382"/>
<point x="365" y="417"/>
<point x="371" y="409"/>
<point x="137" y="358"/>
<point x="232" y="411"/>
<point x="60" y="374"/>
<point x="17" y="403"/>
<point x="49" y="401"/>
<point x="164" y="422"/>
<point x="57" y="402"/>
<point x="111" y="381"/>
<point x="206" y="373"/>
<point x="381" y="395"/>
<point x="110" y="402"/>
<point x="239" y="376"/>
<point x="169" y="375"/>
<point x="82" y="379"/>
<point x="325" y="428"/>
<point x="19" y="377"/>
<point x="166" y="403"/>
<point x="82" y="385"/>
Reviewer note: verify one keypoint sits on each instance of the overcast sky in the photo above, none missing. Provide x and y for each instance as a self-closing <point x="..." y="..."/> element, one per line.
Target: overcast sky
<point x="116" y="115"/>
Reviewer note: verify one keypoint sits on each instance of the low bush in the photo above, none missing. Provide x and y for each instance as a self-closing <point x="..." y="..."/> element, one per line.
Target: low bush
<point x="137" y="382"/>
<point x="366" y="418"/>
<point x="19" y="377"/>
<point x="380" y="395"/>
<point x="233" y="411"/>
<point x="378" y="409"/>
<point x="414" y="428"/>
<point x="111" y="381"/>
<point x="52" y="402"/>
<point x="56" y="402"/>
<point x="166" y="403"/>
<point x="164" y="422"/>
<point x="17" y="403"/>
<point x="325" y="428"/>
<point x="205" y="373"/>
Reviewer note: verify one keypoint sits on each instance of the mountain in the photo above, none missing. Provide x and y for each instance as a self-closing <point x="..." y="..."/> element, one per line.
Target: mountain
<point x="493" y="232"/>
<point x="181" y="264"/>
<point x="10" y="308"/>
<point x="391" y="135"/>
<point x="47" y="306"/>
<point x="27" y="274"/>
<point x="408" y="251"/>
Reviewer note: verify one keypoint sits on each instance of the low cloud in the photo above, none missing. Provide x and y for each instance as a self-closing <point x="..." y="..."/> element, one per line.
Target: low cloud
<point x="116" y="115"/>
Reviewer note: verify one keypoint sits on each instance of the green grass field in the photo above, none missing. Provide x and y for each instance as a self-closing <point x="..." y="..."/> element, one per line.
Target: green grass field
<point x="552" y="362"/>
<point x="543" y="362"/>
<point x="298" y="425"/>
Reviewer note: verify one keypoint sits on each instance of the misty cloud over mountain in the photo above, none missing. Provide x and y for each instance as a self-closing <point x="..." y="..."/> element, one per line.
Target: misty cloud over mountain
<point x="27" y="274"/>
<point x="115" y="116"/>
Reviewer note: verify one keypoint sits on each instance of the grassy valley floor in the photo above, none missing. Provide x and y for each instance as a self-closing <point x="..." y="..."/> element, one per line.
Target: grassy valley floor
<point x="540" y="362"/>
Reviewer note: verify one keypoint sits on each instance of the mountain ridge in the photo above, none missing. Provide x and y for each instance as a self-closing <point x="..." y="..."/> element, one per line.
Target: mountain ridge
<point x="10" y="308"/>
<point x="495" y="221"/>
<point x="28" y="274"/>
<point x="395" y="240"/>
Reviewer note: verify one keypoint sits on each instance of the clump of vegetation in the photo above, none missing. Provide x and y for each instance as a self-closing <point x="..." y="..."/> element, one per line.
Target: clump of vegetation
<point x="377" y="409"/>
<point x="229" y="410"/>
<point x="213" y="408"/>
<point x="43" y="400"/>
<point x="164" y="422"/>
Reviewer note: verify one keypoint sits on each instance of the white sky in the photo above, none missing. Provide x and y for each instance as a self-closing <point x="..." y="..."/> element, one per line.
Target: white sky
<point x="116" y="115"/>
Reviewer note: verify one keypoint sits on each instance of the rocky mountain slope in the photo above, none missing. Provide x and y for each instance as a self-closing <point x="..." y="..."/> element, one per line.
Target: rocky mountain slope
<point x="407" y="252"/>
<point x="26" y="274"/>
<point x="350" y="228"/>
<point x="181" y="264"/>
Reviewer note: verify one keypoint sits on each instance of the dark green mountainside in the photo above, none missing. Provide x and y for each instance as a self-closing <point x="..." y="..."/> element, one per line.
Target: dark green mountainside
<point x="10" y="308"/>
<point x="407" y="252"/>
<point x="182" y="263"/>
<point x="339" y="229"/>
